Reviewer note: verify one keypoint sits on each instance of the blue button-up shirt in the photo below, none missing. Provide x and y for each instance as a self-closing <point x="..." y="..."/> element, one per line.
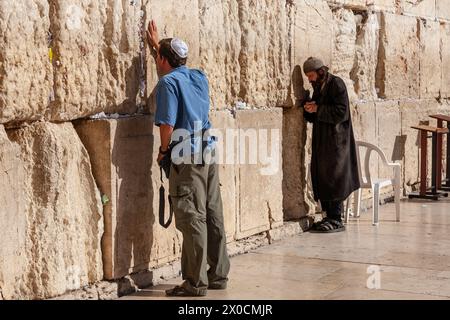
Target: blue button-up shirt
<point x="182" y="101"/>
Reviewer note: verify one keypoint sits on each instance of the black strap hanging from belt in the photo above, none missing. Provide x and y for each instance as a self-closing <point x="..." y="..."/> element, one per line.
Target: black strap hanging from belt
<point x="162" y="204"/>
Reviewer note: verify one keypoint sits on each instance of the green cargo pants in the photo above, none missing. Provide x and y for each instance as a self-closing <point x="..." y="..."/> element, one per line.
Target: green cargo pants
<point x="197" y="204"/>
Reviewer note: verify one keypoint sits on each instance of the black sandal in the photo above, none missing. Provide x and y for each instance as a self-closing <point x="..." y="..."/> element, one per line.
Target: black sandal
<point x="317" y="224"/>
<point x="328" y="226"/>
<point x="179" y="291"/>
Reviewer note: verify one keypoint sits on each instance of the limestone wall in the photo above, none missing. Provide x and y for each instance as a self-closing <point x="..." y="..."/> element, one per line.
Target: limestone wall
<point x="80" y="195"/>
<point x="51" y="225"/>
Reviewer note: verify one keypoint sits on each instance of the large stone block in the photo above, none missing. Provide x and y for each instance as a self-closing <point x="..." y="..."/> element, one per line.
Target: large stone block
<point x="295" y="166"/>
<point x="313" y="21"/>
<point x="123" y="154"/>
<point x="384" y="5"/>
<point x="430" y="59"/>
<point x="421" y="8"/>
<point x="63" y="211"/>
<point x="75" y="56"/>
<point x="245" y="60"/>
<point x="25" y="69"/>
<point x="220" y="32"/>
<point x="264" y="56"/>
<point x="95" y="71"/>
<point x="13" y="263"/>
<point x="443" y="9"/>
<point x="223" y="122"/>
<point x="445" y="54"/>
<point x="260" y="175"/>
<point x="343" y="59"/>
<point x="366" y="56"/>
<point x="364" y="126"/>
<point x="398" y="64"/>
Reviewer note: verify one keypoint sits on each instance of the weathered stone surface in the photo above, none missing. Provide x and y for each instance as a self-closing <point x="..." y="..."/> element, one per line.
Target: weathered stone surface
<point x="366" y="56"/>
<point x="123" y="154"/>
<point x="344" y="47"/>
<point x="99" y="291"/>
<point x="76" y="56"/>
<point x="313" y="32"/>
<point x="296" y="148"/>
<point x="445" y="54"/>
<point x="443" y="10"/>
<point x="176" y="19"/>
<point x="430" y="59"/>
<point x="353" y="4"/>
<point x="265" y="69"/>
<point x="223" y="121"/>
<point x="251" y="71"/>
<point x="220" y="32"/>
<point x="260" y="204"/>
<point x="398" y="64"/>
<point x="420" y="8"/>
<point x="444" y="107"/>
<point x="94" y="71"/>
<point x="295" y="168"/>
<point x="63" y="211"/>
<point x="13" y="220"/>
<point x="364" y="126"/>
<point x="86" y="72"/>
<point x="25" y="69"/>
<point x="384" y="5"/>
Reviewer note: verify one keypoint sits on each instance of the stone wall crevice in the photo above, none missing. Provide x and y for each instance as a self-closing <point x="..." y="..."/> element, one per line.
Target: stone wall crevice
<point x="53" y="56"/>
<point x="380" y="73"/>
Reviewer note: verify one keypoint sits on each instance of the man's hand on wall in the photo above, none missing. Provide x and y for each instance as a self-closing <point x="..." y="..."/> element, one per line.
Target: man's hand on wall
<point x="153" y="38"/>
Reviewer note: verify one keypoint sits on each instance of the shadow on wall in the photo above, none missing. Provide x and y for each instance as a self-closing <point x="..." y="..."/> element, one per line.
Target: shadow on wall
<point x="121" y="154"/>
<point x="132" y="86"/>
<point x="132" y="157"/>
<point x="294" y="148"/>
<point x="398" y="153"/>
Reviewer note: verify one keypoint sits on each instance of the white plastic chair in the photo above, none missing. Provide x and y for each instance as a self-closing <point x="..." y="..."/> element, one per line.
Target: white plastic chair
<point x="367" y="182"/>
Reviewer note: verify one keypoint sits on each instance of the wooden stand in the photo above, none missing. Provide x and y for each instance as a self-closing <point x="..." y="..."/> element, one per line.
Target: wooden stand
<point x="429" y="193"/>
<point x="443" y="185"/>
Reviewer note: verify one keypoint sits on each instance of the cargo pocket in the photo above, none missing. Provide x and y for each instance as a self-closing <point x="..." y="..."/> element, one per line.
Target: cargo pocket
<point x="182" y="197"/>
<point x="180" y="191"/>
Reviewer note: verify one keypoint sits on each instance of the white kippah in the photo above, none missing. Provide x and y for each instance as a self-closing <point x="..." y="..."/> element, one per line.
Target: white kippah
<point x="180" y="47"/>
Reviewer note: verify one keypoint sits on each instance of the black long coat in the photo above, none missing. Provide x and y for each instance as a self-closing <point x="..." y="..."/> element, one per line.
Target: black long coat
<point x="334" y="168"/>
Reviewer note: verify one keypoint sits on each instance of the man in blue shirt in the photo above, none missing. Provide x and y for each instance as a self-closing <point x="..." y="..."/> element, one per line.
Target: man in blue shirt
<point x="182" y="107"/>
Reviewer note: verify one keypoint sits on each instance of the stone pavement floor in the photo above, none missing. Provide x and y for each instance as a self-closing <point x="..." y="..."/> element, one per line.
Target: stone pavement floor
<point x="405" y="260"/>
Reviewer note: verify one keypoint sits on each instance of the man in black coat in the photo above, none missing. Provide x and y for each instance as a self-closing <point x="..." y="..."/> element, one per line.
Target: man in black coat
<point x="334" y="169"/>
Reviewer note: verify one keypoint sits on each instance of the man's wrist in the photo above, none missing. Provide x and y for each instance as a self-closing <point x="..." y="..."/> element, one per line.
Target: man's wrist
<point x="163" y="152"/>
